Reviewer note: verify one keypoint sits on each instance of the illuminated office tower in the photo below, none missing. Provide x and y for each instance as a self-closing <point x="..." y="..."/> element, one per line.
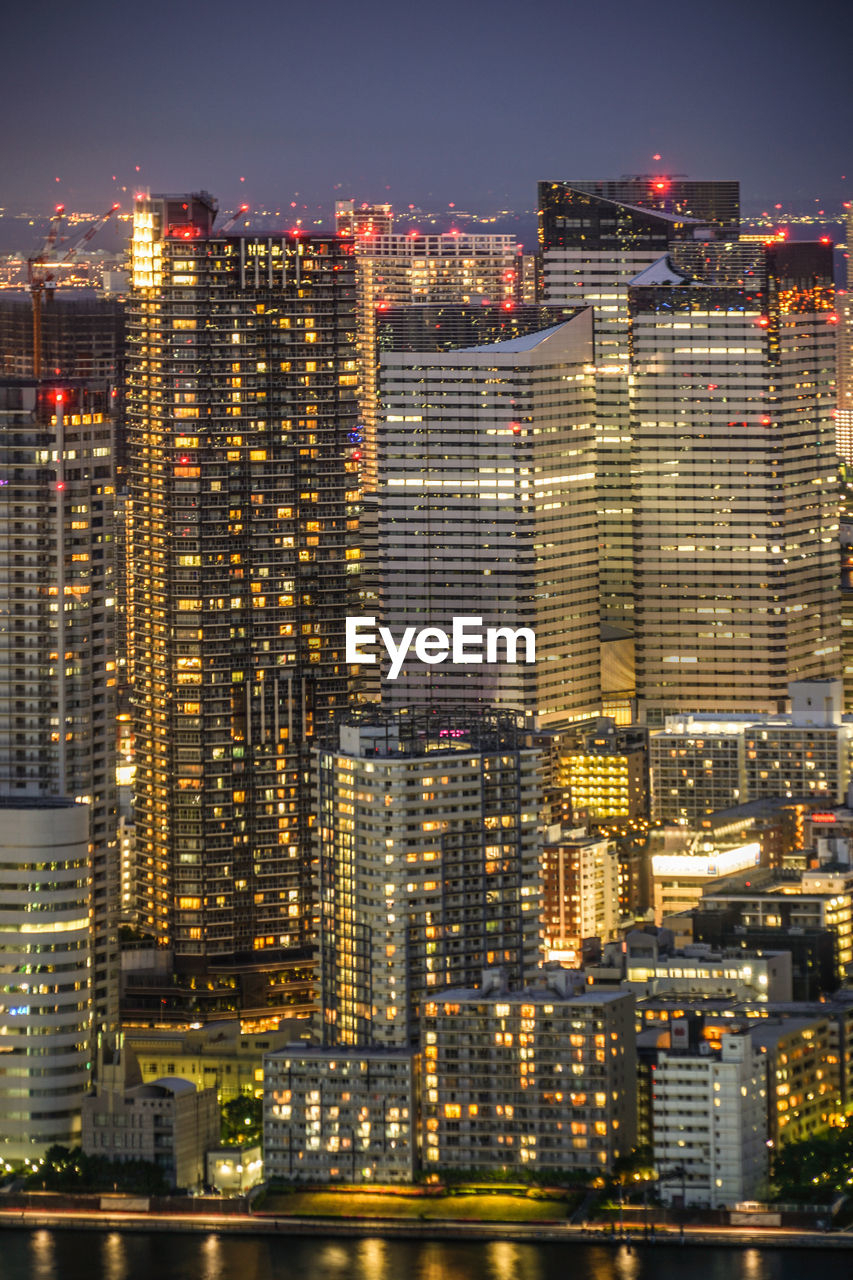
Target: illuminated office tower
<point x="487" y="510"/>
<point x="710" y="200"/>
<point x="241" y="396"/>
<point x="428" y="862"/>
<point x="394" y="269"/>
<point x="57" y="715"/>
<point x="736" y="531"/>
<point x="594" y="238"/>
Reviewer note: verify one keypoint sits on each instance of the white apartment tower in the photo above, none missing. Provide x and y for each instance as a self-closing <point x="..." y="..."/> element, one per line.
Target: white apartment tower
<point x="428" y="864"/>
<point x="487" y="509"/>
<point x="710" y="1121"/>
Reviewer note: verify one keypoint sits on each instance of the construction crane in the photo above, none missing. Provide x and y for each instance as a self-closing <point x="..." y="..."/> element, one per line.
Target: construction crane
<point x="41" y="272"/>
<point x="244" y="208"/>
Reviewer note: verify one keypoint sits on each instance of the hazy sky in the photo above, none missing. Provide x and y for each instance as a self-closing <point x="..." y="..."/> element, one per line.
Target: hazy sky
<point x="427" y="103"/>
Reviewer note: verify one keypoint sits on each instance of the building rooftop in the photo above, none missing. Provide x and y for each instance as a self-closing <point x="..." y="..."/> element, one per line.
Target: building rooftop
<point x="514" y="346"/>
<point x="162" y="1087"/>
<point x="660" y="272"/>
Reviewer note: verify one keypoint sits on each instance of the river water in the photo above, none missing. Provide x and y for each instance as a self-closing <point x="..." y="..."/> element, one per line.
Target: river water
<point x="78" y="1255"/>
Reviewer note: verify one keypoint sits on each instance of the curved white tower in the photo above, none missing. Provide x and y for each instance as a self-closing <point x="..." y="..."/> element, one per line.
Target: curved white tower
<point x="45" y="973"/>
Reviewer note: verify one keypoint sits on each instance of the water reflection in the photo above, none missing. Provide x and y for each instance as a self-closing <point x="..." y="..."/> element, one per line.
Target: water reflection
<point x="753" y="1265"/>
<point x="43" y="1265"/>
<point x="508" y="1261"/>
<point x="373" y="1260"/>
<point x="73" y="1255"/>
<point x="211" y="1251"/>
<point x="626" y="1263"/>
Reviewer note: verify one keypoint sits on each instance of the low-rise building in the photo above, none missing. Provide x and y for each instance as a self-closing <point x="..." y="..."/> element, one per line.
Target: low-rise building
<point x="709" y="1112"/>
<point x="339" y="1113"/>
<point x="542" y="1078"/>
<point x="818" y="898"/>
<point x="699" y="763"/>
<point x="168" y="1122"/>
<point x="700" y="970"/>
<point x="680" y="878"/>
<point x="216" y="1056"/>
<point x="603" y="773"/>
<point x="234" y="1170"/>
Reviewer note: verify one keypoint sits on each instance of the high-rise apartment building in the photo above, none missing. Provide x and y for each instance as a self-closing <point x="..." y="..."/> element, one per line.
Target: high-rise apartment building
<point x="735" y="521"/>
<point x="82" y="336"/>
<point x="487" y="460"/>
<point x="594" y="238"/>
<point x="602" y="773"/>
<point x="241" y="397"/>
<point x="57" y="664"/>
<point x="428" y="862"/>
<point x="540" y="1078"/>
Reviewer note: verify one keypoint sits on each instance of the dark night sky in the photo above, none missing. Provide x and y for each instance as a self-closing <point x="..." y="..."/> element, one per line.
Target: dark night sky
<point x="426" y="102"/>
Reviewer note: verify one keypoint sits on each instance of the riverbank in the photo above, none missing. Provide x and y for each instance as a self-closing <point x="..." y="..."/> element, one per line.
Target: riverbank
<point x="542" y="1232"/>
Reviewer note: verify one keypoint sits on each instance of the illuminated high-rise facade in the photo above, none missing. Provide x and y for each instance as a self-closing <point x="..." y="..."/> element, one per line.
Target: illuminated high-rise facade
<point x="241" y="397"/>
<point x="57" y="713"/>
<point x="428" y="846"/>
<point x="398" y="269"/>
<point x="735" y="520"/>
<point x="595" y="236"/>
<point x="487" y="510"/>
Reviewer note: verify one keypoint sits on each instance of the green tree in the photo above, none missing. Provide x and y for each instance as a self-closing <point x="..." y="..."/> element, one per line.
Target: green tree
<point x="242" y="1121"/>
<point x="815" y="1171"/>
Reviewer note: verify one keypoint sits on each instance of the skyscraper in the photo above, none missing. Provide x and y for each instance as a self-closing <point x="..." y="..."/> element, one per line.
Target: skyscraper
<point x="428" y="862"/>
<point x="46" y="1045"/>
<point x="57" y="664"/>
<point x="595" y="236"/>
<point x="712" y="201"/>
<point x="241" y="397"/>
<point x="487" y="509"/>
<point x="732" y="395"/>
<point x="394" y="269"/>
